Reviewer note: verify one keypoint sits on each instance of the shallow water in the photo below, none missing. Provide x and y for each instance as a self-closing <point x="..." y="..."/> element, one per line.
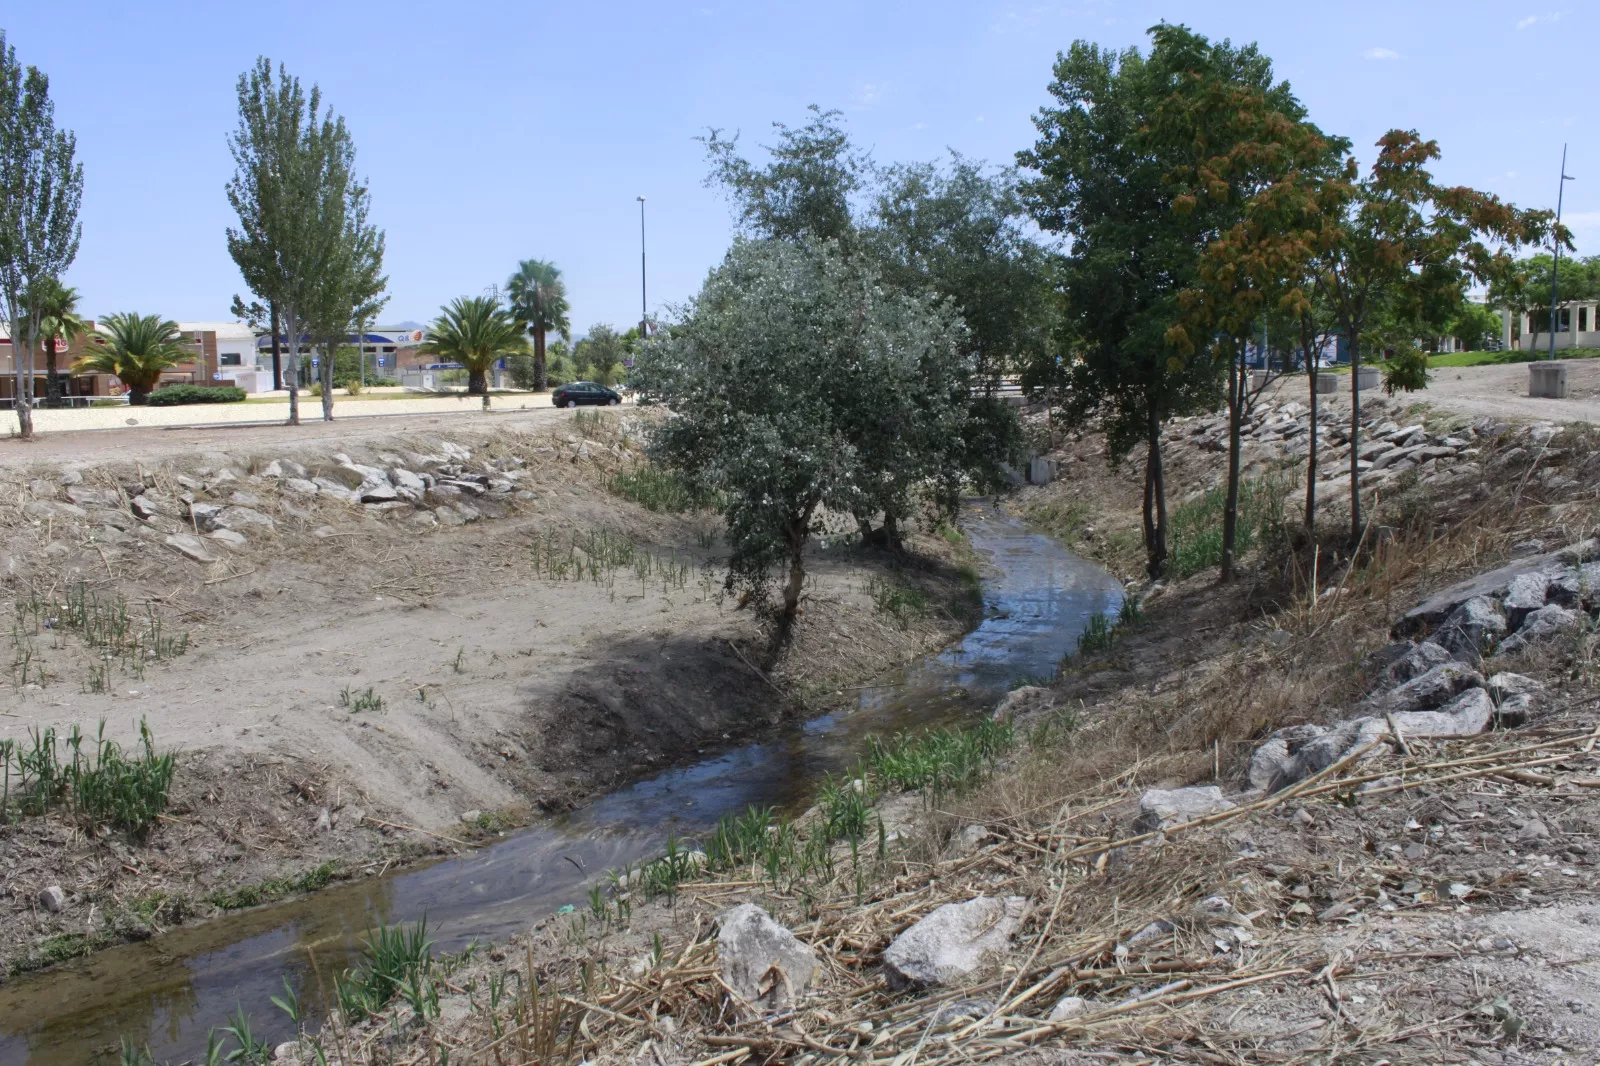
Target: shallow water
<point x="169" y="991"/>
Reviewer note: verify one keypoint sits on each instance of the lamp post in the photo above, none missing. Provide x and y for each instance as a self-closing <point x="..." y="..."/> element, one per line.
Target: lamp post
<point x="644" y="314"/>
<point x="1555" y="244"/>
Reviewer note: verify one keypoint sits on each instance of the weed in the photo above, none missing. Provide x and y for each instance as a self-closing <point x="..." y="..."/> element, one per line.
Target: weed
<point x="395" y="961"/>
<point x="271" y="891"/>
<point x="1098" y="635"/>
<point x="940" y="760"/>
<point x="657" y="489"/>
<point x="358" y="702"/>
<point x="600" y="555"/>
<point x="904" y="601"/>
<point x="108" y="789"/>
<point x="459" y="665"/>
<point x="250" y="1050"/>
<point x="62" y="947"/>
<point x="1197" y="524"/>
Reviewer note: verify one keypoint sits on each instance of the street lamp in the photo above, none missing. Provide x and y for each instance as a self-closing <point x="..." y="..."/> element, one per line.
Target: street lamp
<point x="644" y="314"/>
<point x="1555" y="244"/>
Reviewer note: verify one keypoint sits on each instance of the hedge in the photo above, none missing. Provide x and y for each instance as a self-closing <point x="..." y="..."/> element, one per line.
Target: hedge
<point x="173" y="395"/>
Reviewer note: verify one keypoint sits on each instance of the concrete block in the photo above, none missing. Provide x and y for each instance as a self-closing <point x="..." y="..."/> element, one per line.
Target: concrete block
<point x="1041" y="471"/>
<point x="1368" y="378"/>
<point x="1547" y="380"/>
<point x="1328" y="383"/>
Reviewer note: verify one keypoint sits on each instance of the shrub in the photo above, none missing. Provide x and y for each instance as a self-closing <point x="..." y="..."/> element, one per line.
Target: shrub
<point x="174" y="395"/>
<point x="109" y="788"/>
<point x="1408" y="371"/>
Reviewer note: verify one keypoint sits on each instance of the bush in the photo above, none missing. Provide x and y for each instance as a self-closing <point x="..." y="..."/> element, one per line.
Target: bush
<point x="1408" y="371"/>
<point x="519" y="368"/>
<point x="174" y="395"/>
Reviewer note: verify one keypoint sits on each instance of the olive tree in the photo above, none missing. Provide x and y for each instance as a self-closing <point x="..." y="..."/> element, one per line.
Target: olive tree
<point x="800" y="383"/>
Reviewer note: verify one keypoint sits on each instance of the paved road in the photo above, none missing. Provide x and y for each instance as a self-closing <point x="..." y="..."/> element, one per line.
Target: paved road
<point x="152" y="443"/>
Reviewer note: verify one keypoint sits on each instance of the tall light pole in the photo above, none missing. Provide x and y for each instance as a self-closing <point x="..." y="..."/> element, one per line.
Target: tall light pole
<point x="644" y="314"/>
<point x="1555" y="244"/>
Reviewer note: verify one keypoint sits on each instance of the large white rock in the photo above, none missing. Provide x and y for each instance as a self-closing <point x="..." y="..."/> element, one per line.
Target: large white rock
<point x="1159" y="808"/>
<point x="1542" y="625"/>
<point x="953" y="942"/>
<point x="191" y="546"/>
<point x="761" y="960"/>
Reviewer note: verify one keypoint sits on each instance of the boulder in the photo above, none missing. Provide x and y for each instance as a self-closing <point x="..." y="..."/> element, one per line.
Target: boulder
<point x="1516" y="698"/>
<point x="1542" y="625"/>
<point x="378" y="492"/>
<point x="70" y="477"/>
<point x="242" y="518"/>
<point x="1425" y="691"/>
<point x="1525" y="594"/>
<point x="191" y="546"/>
<point x="1159" y="808"/>
<point x="1433" y="610"/>
<point x="43" y="509"/>
<point x="300" y="486"/>
<point x="953" y="942"/>
<point x="1471" y="630"/>
<point x="1465" y="715"/>
<point x="762" y="961"/>
<point x="85" y="496"/>
<point x="409" y="485"/>
<point x="1414" y="660"/>
<point x="53" y="899"/>
<point x="204" y="515"/>
<point x="329" y="487"/>
<point x="151" y="504"/>
<point x="228" y="537"/>
<point x="967" y="840"/>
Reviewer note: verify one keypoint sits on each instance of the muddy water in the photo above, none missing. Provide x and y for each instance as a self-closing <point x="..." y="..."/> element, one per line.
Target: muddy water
<point x="170" y="990"/>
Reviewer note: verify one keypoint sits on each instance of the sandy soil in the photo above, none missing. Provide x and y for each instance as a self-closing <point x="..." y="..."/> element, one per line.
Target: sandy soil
<point x="352" y="673"/>
<point x="1499" y="392"/>
<point x="52" y="422"/>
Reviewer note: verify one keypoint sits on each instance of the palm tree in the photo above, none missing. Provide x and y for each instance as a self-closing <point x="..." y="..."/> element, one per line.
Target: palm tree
<point x="475" y="331"/>
<point x="136" y="348"/>
<point x="58" y="317"/>
<point x="539" y="298"/>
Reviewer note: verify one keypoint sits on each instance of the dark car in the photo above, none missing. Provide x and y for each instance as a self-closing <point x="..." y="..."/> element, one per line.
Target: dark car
<point x="574" y="393"/>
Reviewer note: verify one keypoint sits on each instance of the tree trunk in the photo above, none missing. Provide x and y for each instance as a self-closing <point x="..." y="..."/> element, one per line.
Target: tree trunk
<point x="1155" y="528"/>
<point x="477" y="382"/>
<point x="797" y="573"/>
<point x="22" y="341"/>
<point x="52" y="376"/>
<point x="277" y="351"/>
<point x="327" y="381"/>
<point x="1238" y="375"/>
<point x="138" y="397"/>
<point x="539" y="381"/>
<point x="1355" y="440"/>
<point x="1306" y="339"/>
<point x="293" y="384"/>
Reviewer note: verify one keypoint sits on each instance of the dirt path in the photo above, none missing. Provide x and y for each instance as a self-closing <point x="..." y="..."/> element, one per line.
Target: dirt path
<point x="1499" y="392"/>
<point x="352" y="425"/>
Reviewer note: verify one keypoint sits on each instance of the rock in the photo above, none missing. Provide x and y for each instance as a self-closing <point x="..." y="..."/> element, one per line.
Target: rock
<point x="287" y="1052"/>
<point x="1270" y="763"/>
<point x="245" y="499"/>
<point x="330" y="487"/>
<point x="1466" y="715"/>
<point x="273" y="469"/>
<point x="1542" y="625"/>
<point x="84" y="496"/>
<point x="467" y="512"/>
<point x="1434" y="609"/>
<point x="1425" y="691"/>
<point x="1159" y="808"/>
<point x="1531" y="830"/>
<point x="1415" y="660"/>
<point x="370" y="475"/>
<point x="968" y="839"/>
<point x="448" y="517"/>
<point x="228" y="537"/>
<point x="242" y="517"/>
<point x="425" y="519"/>
<point x="1515" y="699"/>
<point x="468" y="817"/>
<point x="1021" y="699"/>
<point x="378" y="492"/>
<point x="1068" y="1007"/>
<point x="323" y="532"/>
<point x="53" y="899"/>
<point x="407" y="484"/>
<point x="953" y="942"/>
<point x="350" y="817"/>
<point x="300" y="486"/>
<point x="1525" y="594"/>
<point x="471" y="488"/>
<point x="43" y="509"/>
<point x="1471" y="629"/>
<point x="70" y="477"/>
<point x="761" y="960"/>
<point x="324" y="820"/>
<point x="151" y="505"/>
<point x="191" y="546"/>
<point x="204" y="515"/>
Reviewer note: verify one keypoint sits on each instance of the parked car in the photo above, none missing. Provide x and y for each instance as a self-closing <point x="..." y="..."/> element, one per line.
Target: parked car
<point x="574" y="393"/>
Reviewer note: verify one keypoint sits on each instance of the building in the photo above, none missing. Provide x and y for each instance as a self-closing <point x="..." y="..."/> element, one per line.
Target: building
<point x="1577" y="326"/>
<point x="388" y="351"/>
<point x="219" y="353"/>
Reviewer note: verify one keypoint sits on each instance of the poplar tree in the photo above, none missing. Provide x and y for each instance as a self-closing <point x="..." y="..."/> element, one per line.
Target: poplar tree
<point x="41" y="190"/>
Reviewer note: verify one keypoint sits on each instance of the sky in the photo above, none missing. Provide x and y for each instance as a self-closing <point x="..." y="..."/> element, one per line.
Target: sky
<point x="494" y="132"/>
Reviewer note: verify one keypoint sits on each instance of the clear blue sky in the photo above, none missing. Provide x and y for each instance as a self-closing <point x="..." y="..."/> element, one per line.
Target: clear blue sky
<point x="497" y="131"/>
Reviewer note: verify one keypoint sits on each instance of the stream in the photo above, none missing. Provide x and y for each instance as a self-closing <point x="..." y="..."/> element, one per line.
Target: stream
<point x="170" y="990"/>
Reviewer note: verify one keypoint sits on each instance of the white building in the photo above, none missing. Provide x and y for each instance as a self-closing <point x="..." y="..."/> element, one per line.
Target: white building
<point x="1577" y="326"/>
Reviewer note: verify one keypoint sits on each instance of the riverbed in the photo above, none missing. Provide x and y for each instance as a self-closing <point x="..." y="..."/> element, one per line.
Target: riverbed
<point x="167" y="992"/>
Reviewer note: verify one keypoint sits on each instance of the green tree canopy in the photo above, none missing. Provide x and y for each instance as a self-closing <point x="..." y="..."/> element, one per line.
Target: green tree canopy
<point x="475" y="331"/>
<point x="539" y="298"/>
<point x="799" y="382"/>
<point x="137" y="349"/>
